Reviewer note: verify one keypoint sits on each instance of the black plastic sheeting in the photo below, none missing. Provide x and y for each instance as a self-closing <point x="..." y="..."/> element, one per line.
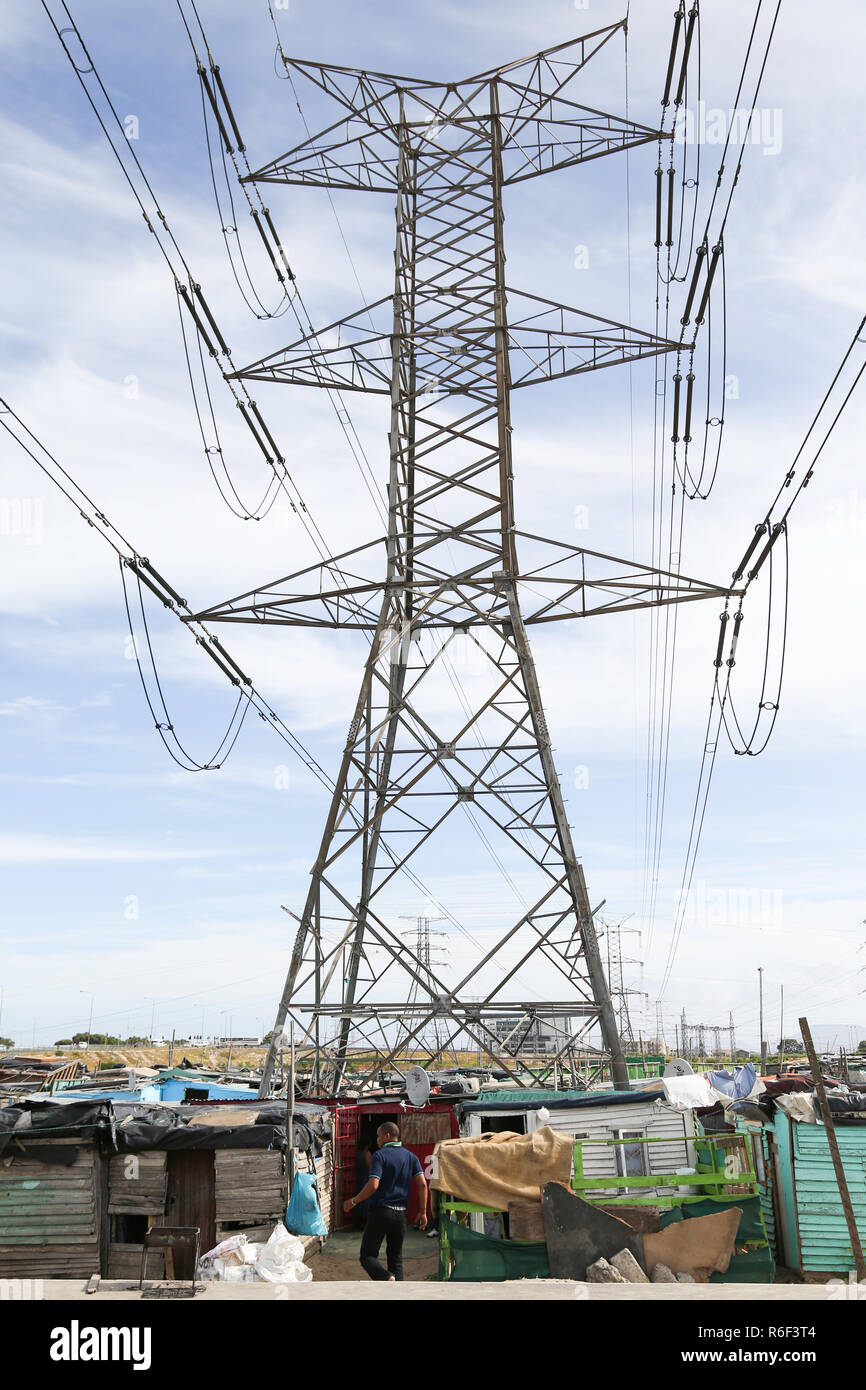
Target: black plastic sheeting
<point x="132" y="1127"/>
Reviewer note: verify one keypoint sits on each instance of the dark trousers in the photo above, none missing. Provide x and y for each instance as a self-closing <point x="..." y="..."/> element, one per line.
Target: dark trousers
<point x="383" y="1223"/>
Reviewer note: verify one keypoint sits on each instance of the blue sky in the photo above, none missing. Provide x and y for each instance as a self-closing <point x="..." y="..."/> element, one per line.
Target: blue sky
<point x="128" y="878"/>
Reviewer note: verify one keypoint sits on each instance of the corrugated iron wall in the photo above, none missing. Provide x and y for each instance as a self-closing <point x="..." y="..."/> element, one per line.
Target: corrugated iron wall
<point x="602" y="1123"/>
<point x="825" y="1245"/>
<point x="766" y="1190"/>
<point x="50" y="1212"/>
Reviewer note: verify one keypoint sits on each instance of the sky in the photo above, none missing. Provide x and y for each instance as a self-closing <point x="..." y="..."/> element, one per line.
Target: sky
<point x="152" y="896"/>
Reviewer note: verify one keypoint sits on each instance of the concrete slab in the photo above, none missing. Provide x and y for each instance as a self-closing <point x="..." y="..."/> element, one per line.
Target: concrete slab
<point x="523" y="1290"/>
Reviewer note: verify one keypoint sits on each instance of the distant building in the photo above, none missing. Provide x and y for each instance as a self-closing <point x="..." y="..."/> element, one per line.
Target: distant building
<point x="542" y="1036"/>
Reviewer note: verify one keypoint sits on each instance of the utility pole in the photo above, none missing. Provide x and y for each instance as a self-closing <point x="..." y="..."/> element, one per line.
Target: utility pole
<point x="781" y="1029"/>
<point x="90" y="1019"/>
<point x="761" y="1017"/>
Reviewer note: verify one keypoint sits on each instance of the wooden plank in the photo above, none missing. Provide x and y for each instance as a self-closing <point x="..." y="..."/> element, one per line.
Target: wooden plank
<point x="124" y="1262"/>
<point x="45" y="1196"/>
<point x="259" y="1233"/>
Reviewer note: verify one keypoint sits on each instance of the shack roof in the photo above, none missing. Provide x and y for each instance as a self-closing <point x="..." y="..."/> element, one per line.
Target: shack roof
<point x="552" y="1100"/>
<point x="135" y="1127"/>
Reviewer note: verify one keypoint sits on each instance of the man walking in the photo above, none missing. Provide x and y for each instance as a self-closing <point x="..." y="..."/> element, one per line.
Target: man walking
<point x="393" y="1169"/>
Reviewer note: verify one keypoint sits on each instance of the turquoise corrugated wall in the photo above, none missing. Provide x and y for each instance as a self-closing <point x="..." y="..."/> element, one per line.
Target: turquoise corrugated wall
<point x="824" y="1243"/>
<point x="766" y="1193"/>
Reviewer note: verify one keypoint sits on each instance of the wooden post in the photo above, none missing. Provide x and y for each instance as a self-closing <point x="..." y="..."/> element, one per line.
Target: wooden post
<point x="171" y="1048"/>
<point x="829" y="1126"/>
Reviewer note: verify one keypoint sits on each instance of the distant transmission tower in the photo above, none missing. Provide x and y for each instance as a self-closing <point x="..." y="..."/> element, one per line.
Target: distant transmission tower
<point x="423" y="957"/>
<point x="616" y="963"/>
<point x="446" y="348"/>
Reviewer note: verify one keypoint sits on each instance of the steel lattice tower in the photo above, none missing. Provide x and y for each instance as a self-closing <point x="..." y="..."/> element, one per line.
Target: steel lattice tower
<point x="448" y="347"/>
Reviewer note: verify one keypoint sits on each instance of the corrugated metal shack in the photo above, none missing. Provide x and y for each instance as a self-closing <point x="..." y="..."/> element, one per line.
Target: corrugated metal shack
<point x="637" y="1156"/>
<point x="799" y="1193"/>
<point x="81" y="1181"/>
<point x="596" y="1117"/>
<point x="355" y="1124"/>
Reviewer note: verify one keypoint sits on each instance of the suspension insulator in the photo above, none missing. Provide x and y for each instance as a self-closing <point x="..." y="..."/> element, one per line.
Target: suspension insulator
<point x="254" y="432"/>
<point x="148" y="583"/>
<point x="659" y="206"/>
<point x="774" y="536"/>
<point x="675" y="437"/>
<point x="184" y="294"/>
<point x="752" y="547"/>
<point x="738" y="619"/>
<point x="678" y="19"/>
<point x="266" y="432"/>
<point x="714" y="260"/>
<point x="690" y="29"/>
<point x="670" y="207"/>
<point x="225" y="656"/>
<point x="267" y="245"/>
<point x="723" y="618"/>
<point x="210" y="318"/>
<point x="145" y="564"/>
<point x="231" y="114"/>
<point x="699" y="260"/>
<point x="278" y="244"/>
<point x="230" y="149"/>
<point x="206" y="647"/>
<point x="690" y="386"/>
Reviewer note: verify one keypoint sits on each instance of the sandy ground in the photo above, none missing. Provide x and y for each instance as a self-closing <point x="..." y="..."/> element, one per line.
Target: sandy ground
<point x="339" y="1261"/>
<point x="336" y="1269"/>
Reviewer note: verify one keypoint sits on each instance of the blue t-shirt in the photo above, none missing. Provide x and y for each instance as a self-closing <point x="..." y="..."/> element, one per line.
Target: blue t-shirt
<point x="395" y="1167"/>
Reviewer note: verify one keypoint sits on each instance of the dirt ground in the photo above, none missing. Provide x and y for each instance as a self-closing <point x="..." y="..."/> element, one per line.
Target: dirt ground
<point x="339" y="1260"/>
<point x="333" y="1268"/>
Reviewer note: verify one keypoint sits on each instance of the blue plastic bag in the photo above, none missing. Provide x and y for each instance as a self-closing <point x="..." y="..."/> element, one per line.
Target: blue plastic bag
<point x="303" y="1217"/>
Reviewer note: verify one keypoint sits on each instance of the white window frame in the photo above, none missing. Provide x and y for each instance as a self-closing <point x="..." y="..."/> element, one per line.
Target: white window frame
<point x="638" y="1138"/>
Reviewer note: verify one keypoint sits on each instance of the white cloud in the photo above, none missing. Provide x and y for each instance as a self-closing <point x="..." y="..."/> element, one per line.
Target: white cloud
<point x="23" y="850"/>
<point x="91" y="304"/>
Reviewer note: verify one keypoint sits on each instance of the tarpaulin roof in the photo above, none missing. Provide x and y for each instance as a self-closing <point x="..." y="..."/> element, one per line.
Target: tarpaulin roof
<point x="134" y="1127"/>
<point x="552" y="1100"/>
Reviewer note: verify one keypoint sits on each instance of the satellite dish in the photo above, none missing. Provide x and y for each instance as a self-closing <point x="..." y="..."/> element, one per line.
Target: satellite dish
<point x="678" y="1066"/>
<point x="417" y="1086"/>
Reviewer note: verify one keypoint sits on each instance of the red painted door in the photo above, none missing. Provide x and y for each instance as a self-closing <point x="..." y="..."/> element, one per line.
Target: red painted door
<point x="347" y="1125"/>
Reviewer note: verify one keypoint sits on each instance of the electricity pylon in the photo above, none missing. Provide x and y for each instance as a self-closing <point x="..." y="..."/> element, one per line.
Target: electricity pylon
<point x="448" y="347"/>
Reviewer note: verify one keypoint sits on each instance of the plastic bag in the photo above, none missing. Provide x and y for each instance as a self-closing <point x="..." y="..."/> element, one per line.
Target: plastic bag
<point x="230" y="1250"/>
<point x="302" y="1214"/>
<point x="282" y="1259"/>
<point x="229" y="1254"/>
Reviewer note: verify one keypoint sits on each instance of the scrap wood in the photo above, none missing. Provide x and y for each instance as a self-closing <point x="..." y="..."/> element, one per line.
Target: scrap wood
<point x="525" y="1221"/>
<point x="701" y="1246"/>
